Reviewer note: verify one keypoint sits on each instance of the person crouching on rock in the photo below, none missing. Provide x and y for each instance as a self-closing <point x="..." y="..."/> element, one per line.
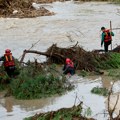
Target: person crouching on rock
<point x="68" y="67"/>
<point x="8" y="62"/>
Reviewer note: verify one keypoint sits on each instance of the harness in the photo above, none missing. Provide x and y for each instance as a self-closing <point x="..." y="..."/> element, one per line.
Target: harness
<point x="9" y="61"/>
<point x="107" y="36"/>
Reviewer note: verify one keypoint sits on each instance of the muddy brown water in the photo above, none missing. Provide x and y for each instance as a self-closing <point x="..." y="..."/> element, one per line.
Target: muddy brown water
<point x="11" y="108"/>
<point x="72" y="22"/>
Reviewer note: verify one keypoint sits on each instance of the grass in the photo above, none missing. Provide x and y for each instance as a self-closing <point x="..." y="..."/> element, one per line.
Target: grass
<point x="100" y="91"/>
<point x="114" y="73"/>
<point x="63" y="113"/>
<point x="35" y="83"/>
<point x="111" y="61"/>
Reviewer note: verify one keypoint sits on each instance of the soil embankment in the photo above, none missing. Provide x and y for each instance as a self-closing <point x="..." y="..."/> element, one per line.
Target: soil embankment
<point x="22" y="9"/>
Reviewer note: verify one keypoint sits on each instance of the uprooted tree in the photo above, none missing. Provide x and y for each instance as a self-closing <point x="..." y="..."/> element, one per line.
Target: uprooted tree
<point x="84" y="60"/>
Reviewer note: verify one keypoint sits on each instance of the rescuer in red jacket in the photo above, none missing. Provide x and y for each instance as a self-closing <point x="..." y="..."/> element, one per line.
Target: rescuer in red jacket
<point x="8" y="62"/>
<point x="106" y="38"/>
<point x="69" y="67"/>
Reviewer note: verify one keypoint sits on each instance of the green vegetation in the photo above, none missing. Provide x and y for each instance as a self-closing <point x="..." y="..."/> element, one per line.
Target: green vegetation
<point x="73" y="113"/>
<point x="100" y="91"/>
<point x="64" y="113"/>
<point x="26" y="87"/>
<point x="2" y="87"/>
<point x="35" y="82"/>
<point x="96" y="63"/>
<point x="114" y="73"/>
<point x="109" y="61"/>
<point x="88" y="112"/>
<point x="115" y="1"/>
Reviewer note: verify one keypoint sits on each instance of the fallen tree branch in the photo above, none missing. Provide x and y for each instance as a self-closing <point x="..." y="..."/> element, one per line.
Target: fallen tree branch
<point x="40" y="53"/>
<point x="112" y="110"/>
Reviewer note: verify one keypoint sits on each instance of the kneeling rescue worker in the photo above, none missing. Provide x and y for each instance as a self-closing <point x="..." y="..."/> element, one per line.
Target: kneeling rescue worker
<point x="69" y="67"/>
<point x="8" y="62"/>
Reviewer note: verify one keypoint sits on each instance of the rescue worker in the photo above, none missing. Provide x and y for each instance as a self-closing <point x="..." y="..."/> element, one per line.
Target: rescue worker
<point x="69" y="67"/>
<point x="8" y="62"/>
<point x="106" y="38"/>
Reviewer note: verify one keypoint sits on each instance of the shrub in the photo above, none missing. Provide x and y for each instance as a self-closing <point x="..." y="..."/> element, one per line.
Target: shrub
<point x="100" y="91"/>
<point x="32" y="84"/>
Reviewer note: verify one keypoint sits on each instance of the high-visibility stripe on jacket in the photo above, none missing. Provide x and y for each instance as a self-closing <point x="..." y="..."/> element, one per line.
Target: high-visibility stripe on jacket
<point x="9" y="60"/>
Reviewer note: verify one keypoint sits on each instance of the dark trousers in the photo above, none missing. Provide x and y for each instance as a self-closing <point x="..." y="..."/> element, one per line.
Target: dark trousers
<point x="70" y="70"/>
<point x="106" y="44"/>
<point x="10" y="71"/>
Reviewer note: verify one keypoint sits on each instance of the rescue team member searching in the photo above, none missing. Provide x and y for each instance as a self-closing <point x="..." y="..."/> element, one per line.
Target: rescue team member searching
<point x="69" y="67"/>
<point x="8" y="62"/>
<point x="106" y="38"/>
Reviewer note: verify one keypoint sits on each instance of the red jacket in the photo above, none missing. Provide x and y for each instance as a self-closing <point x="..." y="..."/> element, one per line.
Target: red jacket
<point x="107" y="36"/>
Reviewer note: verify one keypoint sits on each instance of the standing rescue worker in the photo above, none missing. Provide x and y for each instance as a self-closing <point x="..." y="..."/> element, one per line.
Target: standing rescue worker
<point x="8" y="62"/>
<point x="69" y="67"/>
<point x="106" y="38"/>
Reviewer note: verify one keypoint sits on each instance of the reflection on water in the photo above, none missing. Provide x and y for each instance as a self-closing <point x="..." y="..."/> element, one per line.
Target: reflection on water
<point x="27" y="105"/>
<point x="23" y="108"/>
<point x="106" y="81"/>
<point x="9" y="104"/>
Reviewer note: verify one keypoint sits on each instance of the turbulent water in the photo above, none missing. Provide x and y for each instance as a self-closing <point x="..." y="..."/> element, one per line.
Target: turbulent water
<point x="72" y="22"/>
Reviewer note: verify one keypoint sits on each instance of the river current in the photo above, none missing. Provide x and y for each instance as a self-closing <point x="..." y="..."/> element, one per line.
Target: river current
<point x="72" y="22"/>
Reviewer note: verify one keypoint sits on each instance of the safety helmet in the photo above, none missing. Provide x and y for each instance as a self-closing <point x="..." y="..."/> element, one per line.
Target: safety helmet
<point x="7" y="51"/>
<point x="68" y="60"/>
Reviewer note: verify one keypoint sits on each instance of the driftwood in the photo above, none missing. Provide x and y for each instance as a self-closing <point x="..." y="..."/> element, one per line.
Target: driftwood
<point x="55" y="54"/>
<point x="82" y="59"/>
<point x="40" y="53"/>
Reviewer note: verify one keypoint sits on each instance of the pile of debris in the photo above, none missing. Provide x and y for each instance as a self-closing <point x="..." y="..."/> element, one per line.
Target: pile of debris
<point x="84" y="60"/>
<point x="21" y="9"/>
<point x="117" y="49"/>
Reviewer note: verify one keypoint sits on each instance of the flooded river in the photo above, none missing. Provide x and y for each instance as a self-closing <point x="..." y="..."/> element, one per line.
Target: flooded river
<point x="18" y="109"/>
<point x="72" y="22"/>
